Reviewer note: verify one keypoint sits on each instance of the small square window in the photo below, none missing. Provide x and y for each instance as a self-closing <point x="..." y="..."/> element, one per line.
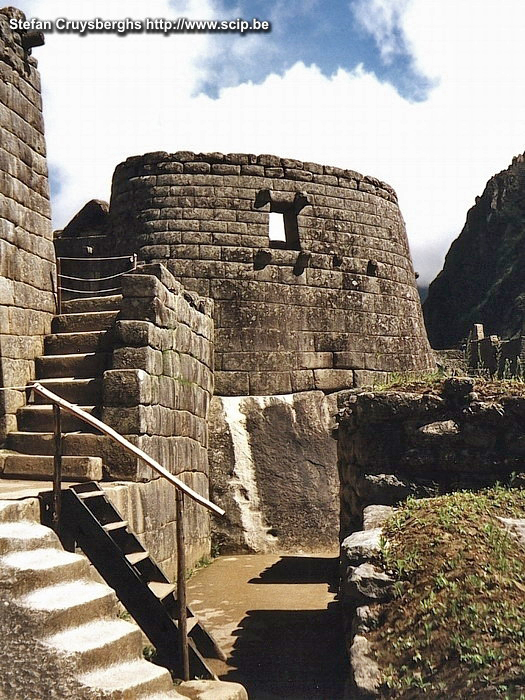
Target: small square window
<point x="276" y="231"/>
<point x="283" y="227"/>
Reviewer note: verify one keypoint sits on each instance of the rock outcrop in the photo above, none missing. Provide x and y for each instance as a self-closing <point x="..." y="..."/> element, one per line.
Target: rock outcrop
<point x="482" y="278"/>
<point x="273" y="468"/>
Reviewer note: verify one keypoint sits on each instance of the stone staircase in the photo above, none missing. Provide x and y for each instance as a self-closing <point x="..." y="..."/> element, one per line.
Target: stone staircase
<point x="77" y="353"/>
<point x="74" y="618"/>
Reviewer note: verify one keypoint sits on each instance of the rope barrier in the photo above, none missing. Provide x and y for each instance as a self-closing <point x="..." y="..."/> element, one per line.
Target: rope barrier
<point x="97" y="279"/>
<point x="118" y="257"/>
<point x="90" y="291"/>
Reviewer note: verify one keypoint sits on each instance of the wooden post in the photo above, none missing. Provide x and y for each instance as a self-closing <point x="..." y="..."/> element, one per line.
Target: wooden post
<point x="181" y="587"/>
<point x="59" y="284"/>
<point x="57" y="468"/>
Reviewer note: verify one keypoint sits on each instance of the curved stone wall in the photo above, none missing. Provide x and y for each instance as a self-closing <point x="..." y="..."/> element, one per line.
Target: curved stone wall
<point x="329" y="308"/>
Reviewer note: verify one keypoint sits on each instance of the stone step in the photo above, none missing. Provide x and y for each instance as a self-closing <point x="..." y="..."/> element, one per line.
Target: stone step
<point x="91" y="321"/>
<point x="94" y="303"/>
<point x="86" y="365"/>
<point x="25" y="571"/>
<point x="99" y="644"/>
<point x="25" y="535"/>
<point x="70" y="343"/>
<point x="41" y="467"/>
<point x="78" y="391"/>
<point x="81" y="444"/>
<point x="39" y="418"/>
<point x="137" y="679"/>
<point x="67" y="605"/>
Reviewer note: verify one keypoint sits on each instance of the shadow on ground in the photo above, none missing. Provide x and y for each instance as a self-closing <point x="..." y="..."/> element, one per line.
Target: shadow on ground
<point x="292" y="654"/>
<point x="291" y="569"/>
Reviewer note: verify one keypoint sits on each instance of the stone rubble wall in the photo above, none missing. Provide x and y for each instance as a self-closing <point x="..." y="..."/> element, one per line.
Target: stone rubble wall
<point x="339" y="312"/>
<point x="27" y="258"/>
<point x="364" y="586"/>
<point x="392" y="444"/>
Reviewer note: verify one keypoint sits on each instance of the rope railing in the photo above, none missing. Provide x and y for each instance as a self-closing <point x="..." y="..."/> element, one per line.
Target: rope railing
<point x="61" y="276"/>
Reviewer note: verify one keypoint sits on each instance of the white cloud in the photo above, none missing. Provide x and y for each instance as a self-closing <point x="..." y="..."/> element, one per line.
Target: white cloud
<point x="108" y="97"/>
<point x="382" y="19"/>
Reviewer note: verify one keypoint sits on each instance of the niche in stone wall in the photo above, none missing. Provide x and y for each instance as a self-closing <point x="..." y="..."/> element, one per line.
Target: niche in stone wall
<point x="283" y="209"/>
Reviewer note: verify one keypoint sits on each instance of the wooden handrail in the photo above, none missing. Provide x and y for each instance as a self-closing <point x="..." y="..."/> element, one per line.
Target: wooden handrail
<point x="126" y="445"/>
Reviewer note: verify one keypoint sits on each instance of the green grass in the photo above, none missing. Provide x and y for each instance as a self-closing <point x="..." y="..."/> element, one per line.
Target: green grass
<point x="201" y="564"/>
<point x="456" y="626"/>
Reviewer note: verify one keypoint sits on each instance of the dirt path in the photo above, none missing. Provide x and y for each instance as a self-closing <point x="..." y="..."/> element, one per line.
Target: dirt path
<point x="276" y="619"/>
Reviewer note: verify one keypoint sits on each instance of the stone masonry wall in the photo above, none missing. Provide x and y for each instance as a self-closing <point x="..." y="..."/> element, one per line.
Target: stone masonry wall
<point x="393" y="444"/>
<point x="334" y="307"/>
<point x="157" y="395"/>
<point x="27" y="259"/>
<point x="161" y="381"/>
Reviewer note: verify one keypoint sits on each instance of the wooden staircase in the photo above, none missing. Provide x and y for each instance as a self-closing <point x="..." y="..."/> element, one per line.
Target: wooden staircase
<point x="92" y="522"/>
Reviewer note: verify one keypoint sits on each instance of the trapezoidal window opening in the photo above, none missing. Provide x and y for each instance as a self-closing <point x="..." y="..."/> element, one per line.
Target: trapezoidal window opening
<point x="283" y="227"/>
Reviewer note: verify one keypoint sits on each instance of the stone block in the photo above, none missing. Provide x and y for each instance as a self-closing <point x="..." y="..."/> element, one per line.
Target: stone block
<point x="232" y="383"/>
<point x="314" y="360"/>
<point x="126" y="387"/>
<point x="268" y="383"/>
<point x="333" y="379"/>
<point x="144" y="358"/>
<point x="367" y="378"/>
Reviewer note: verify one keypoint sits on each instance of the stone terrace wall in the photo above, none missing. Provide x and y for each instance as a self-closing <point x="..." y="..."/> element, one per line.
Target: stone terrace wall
<point x="392" y="444"/>
<point x="157" y="395"/>
<point x="27" y="259"/>
<point x="159" y="389"/>
<point x="335" y="312"/>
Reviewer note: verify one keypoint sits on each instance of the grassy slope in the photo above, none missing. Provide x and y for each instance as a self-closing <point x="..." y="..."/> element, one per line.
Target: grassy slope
<point x="456" y="627"/>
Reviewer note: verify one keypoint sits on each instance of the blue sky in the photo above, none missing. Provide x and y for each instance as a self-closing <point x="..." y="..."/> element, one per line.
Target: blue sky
<point x="328" y="35"/>
<point x="424" y="94"/>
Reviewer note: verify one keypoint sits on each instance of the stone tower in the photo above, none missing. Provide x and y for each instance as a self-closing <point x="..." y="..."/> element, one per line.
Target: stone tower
<point x="308" y="265"/>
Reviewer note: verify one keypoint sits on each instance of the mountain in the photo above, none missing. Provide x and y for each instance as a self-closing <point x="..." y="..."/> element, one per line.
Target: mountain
<point x="483" y="278"/>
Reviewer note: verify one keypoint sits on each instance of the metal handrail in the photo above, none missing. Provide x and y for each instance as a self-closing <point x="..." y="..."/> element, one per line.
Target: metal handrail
<point x="58" y="404"/>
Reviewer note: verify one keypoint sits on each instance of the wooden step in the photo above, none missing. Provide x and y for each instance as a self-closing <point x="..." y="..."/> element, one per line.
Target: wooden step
<point x="91" y="494"/>
<point x="136" y="557"/>
<point x="118" y="525"/>
<point x="161" y="589"/>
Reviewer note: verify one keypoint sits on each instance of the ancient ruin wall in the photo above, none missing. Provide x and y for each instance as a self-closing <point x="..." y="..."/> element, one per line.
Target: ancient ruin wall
<point x="27" y="261"/>
<point x="425" y="442"/>
<point x="333" y="306"/>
